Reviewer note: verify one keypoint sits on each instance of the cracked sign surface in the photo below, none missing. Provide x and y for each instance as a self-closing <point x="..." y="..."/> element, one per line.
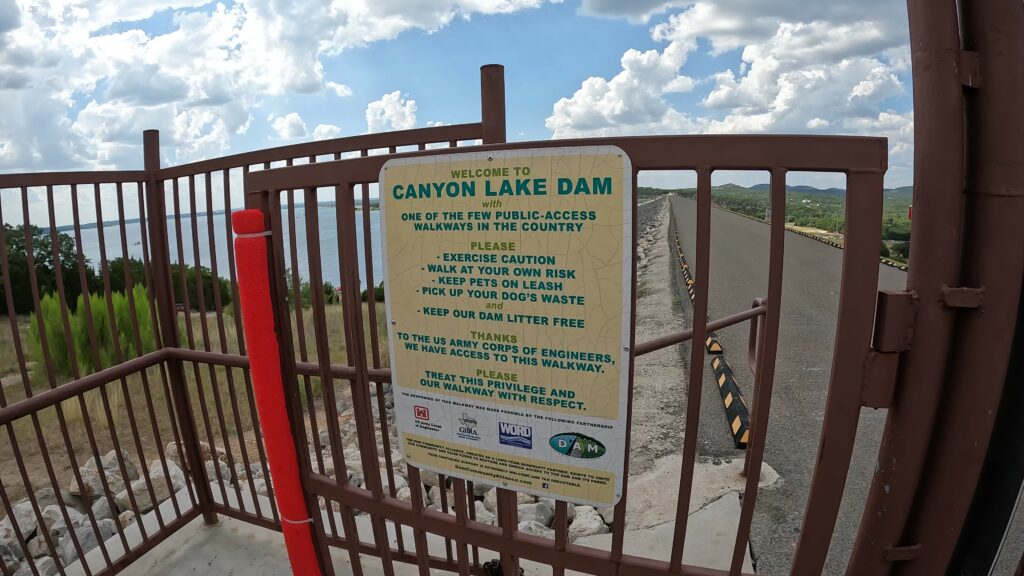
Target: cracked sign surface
<point x="508" y="281"/>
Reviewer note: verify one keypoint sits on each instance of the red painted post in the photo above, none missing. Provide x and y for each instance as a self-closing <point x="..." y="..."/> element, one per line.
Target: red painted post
<point x="265" y="364"/>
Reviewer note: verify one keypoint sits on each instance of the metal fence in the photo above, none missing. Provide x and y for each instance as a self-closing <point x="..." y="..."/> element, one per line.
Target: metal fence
<point x="349" y="363"/>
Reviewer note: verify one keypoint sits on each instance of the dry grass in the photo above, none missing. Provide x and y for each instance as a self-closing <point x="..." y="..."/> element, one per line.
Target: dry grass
<point x="212" y="392"/>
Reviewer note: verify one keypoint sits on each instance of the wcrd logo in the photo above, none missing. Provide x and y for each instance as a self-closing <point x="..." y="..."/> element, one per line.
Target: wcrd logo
<point x="515" y="435"/>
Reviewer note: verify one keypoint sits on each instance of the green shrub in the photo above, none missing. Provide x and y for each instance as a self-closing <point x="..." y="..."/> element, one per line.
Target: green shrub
<point x="92" y="358"/>
<point x="378" y="293"/>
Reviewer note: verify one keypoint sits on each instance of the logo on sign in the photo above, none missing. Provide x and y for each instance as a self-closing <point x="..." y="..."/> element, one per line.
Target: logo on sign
<point x="467" y="427"/>
<point x="577" y="445"/>
<point x="421" y="412"/>
<point x="515" y="435"/>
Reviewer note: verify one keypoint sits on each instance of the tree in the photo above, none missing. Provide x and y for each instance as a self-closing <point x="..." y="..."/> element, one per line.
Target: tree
<point x="17" y="243"/>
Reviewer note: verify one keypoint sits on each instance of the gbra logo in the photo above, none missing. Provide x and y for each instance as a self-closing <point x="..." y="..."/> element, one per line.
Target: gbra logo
<point x="516" y="435"/>
<point x="577" y="445"/>
<point x="467" y="427"/>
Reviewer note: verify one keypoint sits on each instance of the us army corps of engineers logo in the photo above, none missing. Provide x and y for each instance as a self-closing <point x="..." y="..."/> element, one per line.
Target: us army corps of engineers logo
<point x="467" y="428"/>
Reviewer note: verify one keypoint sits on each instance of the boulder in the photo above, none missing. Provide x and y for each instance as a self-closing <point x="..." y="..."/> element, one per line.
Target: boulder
<point x="483" y="515"/>
<point x="101" y="509"/>
<point x="93" y="475"/>
<point x="385" y="481"/>
<point x="161" y="491"/>
<point x="25" y="518"/>
<point x="491" y="499"/>
<point x="125" y="518"/>
<point x="536" y="529"/>
<point x="538" y="512"/>
<point x="607" y="514"/>
<point x="52" y="515"/>
<point x="47" y="496"/>
<point x="256" y="470"/>
<point x="587" y="523"/>
<point x="87" y="539"/>
<point x="44" y="565"/>
<point x="570" y="508"/>
<point x="222" y="467"/>
<point x="37" y="547"/>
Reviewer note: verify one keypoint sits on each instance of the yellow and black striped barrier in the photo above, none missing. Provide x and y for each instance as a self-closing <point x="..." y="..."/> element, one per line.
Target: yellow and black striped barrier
<point x="736" y="413"/>
<point x="712" y="345"/>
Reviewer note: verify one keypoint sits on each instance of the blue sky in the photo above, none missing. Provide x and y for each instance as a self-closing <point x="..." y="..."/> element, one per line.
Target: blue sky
<point x="81" y="79"/>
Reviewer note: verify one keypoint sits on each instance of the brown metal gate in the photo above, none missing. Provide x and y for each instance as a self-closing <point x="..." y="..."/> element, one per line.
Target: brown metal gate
<point x="350" y="363"/>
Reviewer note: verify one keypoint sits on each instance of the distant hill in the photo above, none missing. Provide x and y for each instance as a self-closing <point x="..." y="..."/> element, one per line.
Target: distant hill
<point x="806" y="206"/>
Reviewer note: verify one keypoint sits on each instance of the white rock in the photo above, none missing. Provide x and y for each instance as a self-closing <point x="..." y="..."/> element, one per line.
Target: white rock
<point x="37" y="547"/>
<point x="222" y="467"/>
<point x="536" y="529"/>
<point x="101" y="509"/>
<point x="483" y="515"/>
<point x="87" y="539"/>
<point x="385" y="481"/>
<point x="52" y="515"/>
<point x="24" y="516"/>
<point x="587" y="523"/>
<point x="570" y="508"/>
<point x="491" y="499"/>
<point x="607" y="514"/>
<point x="45" y="565"/>
<point x="538" y="511"/>
<point x="125" y="518"/>
<point x="261" y="486"/>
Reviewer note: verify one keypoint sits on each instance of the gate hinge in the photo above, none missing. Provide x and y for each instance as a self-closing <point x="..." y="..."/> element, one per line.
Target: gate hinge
<point x="895" y="311"/>
<point x="962" y="297"/>
<point x="970" y="70"/>
<point x="902" y="553"/>
<point x="894" y="332"/>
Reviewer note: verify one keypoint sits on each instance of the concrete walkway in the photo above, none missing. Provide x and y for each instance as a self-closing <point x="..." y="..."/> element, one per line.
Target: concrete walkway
<point x="235" y="547"/>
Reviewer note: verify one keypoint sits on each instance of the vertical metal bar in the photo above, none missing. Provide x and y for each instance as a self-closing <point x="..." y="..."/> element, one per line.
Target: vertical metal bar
<point x="204" y="324"/>
<point x="164" y="301"/>
<point x="419" y="537"/>
<point x="228" y="372"/>
<point x="508" y="520"/>
<point x="765" y="367"/>
<point x="152" y="282"/>
<point x="461" y="551"/>
<point x="189" y="335"/>
<point x="129" y="284"/>
<point x="561" y="526"/>
<point x="118" y="355"/>
<point x="619" y="528"/>
<point x="853" y="342"/>
<point x="356" y="345"/>
<point x="58" y="267"/>
<point x="993" y="257"/>
<point x="693" y="392"/>
<point x="936" y="229"/>
<point x="492" y="103"/>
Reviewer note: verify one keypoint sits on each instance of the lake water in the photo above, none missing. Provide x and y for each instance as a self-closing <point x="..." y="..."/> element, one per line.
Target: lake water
<point x="328" y="241"/>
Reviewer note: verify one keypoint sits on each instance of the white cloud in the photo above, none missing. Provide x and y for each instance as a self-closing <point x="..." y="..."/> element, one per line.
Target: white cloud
<point x="202" y="71"/>
<point x="340" y="90"/>
<point x="825" y="67"/>
<point x="288" y="126"/>
<point x="326" y="132"/>
<point x="391" y="112"/>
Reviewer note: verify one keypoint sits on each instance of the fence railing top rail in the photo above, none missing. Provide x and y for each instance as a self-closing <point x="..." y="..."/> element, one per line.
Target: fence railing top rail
<point x="811" y="153"/>
<point x="378" y="140"/>
<point x="34" y="179"/>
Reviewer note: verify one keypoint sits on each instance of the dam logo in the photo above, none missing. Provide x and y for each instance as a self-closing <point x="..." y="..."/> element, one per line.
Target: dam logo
<point x="577" y="445"/>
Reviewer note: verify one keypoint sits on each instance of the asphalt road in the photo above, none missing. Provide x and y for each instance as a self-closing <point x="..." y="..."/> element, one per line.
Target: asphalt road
<point x="810" y="303"/>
